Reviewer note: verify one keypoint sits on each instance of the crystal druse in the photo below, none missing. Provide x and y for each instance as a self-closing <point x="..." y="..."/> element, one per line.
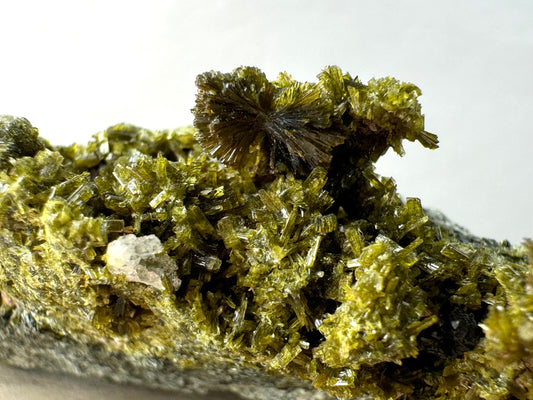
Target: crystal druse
<point x="258" y="253"/>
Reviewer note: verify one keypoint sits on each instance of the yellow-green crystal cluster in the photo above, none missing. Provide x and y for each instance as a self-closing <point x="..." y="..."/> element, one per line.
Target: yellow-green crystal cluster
<point x="287" y="255"/>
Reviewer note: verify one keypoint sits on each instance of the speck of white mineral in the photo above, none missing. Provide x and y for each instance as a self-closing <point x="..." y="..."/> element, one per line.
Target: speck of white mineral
<point x="141" y="259"/>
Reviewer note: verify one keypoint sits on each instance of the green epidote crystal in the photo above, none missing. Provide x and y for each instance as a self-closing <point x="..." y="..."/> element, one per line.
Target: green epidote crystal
<point x="261" y="248"/>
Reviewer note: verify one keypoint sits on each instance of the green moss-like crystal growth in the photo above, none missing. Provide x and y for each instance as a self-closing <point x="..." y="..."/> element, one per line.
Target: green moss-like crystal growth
<point x="263" y="240"/>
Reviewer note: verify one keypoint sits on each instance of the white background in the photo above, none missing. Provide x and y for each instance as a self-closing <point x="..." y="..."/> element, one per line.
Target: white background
<point x="75" y="67"/>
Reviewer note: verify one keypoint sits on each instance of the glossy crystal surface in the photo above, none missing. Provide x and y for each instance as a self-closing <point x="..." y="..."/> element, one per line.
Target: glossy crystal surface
<point x="262" y="239"/>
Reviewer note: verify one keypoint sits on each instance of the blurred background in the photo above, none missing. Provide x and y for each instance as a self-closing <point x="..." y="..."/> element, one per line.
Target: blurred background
<point x="74" y="68"/>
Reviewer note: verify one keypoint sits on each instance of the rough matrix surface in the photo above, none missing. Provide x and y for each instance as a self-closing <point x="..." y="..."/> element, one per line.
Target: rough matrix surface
<point x="257" y="252"/>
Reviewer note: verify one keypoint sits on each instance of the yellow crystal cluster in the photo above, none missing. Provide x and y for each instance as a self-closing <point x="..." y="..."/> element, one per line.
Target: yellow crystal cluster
<point x="263" y="239"/>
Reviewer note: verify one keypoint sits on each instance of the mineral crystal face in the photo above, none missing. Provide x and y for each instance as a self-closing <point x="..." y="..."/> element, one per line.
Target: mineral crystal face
<point x="140" y="259"/>
<point x="257" y="252"/>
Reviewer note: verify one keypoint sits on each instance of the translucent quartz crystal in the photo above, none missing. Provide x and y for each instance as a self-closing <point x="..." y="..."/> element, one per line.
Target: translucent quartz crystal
<point x="140" y="259"/>
<point x="257" y="252"/>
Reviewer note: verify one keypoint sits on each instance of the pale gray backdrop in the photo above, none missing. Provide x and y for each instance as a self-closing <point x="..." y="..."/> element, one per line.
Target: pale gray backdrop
<point x="75" y="67"/>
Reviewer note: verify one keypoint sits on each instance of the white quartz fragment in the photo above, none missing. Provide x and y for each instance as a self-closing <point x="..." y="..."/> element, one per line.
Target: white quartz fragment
<point x="141" y="259"/>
